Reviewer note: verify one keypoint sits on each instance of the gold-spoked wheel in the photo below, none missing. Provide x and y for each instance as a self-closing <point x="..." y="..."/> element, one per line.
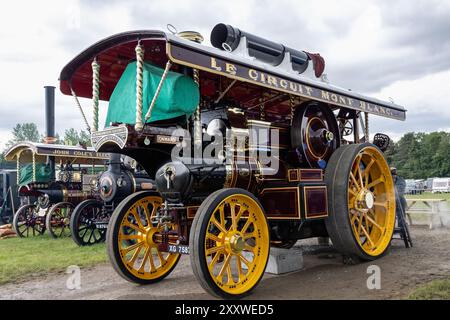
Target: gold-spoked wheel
<point x="131" y="240"/>
<point x="229" y="243"/>
<point x="361" y="201"/>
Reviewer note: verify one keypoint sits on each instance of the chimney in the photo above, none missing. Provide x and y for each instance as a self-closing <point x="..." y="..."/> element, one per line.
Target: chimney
<point x="50" y="124"/>
<point x="49" y="114"/>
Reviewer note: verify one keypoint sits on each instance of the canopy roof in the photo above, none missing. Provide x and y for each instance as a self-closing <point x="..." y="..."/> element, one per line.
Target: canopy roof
<point x="218" y="70"/>
<point x="62" y="153"/>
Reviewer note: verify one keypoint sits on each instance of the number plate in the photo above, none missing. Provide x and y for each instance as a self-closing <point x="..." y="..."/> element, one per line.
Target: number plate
<point x="178" y="249"/>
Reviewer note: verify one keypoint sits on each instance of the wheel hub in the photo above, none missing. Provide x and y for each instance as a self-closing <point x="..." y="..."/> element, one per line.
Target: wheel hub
<point x="148" y="236"/>
<point x="235" y="242"/>
<point x="365" y="199"/>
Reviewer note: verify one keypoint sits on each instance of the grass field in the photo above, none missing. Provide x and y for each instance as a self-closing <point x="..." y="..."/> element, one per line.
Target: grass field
<point x="25" y="258"/>
<point x="437" y="289"/>
<point x="429" y="195"/>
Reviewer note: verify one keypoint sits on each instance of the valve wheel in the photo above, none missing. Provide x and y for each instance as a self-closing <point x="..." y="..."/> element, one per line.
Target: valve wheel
<point x="83" y="228"/>
<point x="130" y="240"/>
<point x="27" y="223"/>
<point x="58" y="219"/>
<point x="229" y="243"/>
<point x="361" y="201"/>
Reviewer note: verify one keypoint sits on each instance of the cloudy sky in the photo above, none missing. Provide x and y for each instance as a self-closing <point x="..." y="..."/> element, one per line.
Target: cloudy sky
<point x="396" y="50"/>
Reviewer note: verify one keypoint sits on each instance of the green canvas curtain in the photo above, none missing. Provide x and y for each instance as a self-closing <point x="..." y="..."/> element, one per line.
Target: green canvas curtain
<point x="43" y="174"/>
<point x="179" y="95"/>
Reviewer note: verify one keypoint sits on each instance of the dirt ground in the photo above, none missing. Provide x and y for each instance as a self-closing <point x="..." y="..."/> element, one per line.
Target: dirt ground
<point x="324" y="276"/>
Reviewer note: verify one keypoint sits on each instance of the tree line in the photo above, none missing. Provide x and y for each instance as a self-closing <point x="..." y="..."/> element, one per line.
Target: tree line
<point x="29" y="132"/>
<point x="419" y="155"/>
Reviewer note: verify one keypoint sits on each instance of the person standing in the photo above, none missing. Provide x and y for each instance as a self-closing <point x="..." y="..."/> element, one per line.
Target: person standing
<point x="400" y="187"/>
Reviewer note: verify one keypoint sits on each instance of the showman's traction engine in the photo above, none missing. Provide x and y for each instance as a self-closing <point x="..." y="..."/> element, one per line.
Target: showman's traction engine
<point x="249" y="146"/>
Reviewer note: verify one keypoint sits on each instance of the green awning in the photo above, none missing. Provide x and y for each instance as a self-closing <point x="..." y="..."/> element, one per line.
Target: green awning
<point x="43" y="174"/>
<point x="179" y="95"/>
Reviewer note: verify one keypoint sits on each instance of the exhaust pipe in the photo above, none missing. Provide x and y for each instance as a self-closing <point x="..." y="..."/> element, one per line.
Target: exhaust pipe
<point x="267" y="51"/>
<point x="50" y="123"/>
<point x="114" y="163"/>
<point x="49" y="115"/>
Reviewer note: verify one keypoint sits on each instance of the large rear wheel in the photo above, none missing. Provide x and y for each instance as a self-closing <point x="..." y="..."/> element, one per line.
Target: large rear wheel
<point x="361" y="201"/>
<point x="131" y="244"/>
<point x="229" y="243"/>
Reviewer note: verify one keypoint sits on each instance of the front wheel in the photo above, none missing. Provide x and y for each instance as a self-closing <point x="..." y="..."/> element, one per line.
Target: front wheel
<point x="130" y="240"/>
<point x="27" y="223"/>
<point x="58" y="218"/>
<point x="85" y="221"/>
<point x="229" y="243"/>
<point x="361" y="201"/>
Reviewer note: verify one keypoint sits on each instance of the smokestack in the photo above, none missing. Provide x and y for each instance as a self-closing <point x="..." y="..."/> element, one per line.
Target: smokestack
<point x="114" y="163"/>
<point x="49" y="114"/>
<point x="50" y="124"/>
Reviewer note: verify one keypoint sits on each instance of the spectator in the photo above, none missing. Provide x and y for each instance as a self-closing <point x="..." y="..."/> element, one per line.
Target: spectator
<point x="400" y="186"/>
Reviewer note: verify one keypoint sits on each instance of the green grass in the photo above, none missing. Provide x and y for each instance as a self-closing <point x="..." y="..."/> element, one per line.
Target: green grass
<point x="429" y="195"/>
<point x="437" y="289"/>
<point x="26" y="258"/>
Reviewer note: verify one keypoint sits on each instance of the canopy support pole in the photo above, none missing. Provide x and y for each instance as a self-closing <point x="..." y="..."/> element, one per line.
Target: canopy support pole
<point x="18" y="168"/>
<point x="34" y="167"/>
<point x="158" y="90"/>
<point x="366" y="127"/>
<point x="74" y="95"/>
<point x="139" y="85"/>
<point x="95" y="92"/>
<point x="197" y="115"/>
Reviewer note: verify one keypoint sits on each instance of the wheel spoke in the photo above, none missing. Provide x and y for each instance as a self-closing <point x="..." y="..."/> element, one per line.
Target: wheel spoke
<point x="374" y="183"/>
<point x="355" y="183"/>
<point x="218" y="225"/>
<point x="214" y="261"/>
<point x="367" y="236"/>
<point x="233" y="217"/>
<point x="367" y="171"/>
<point x="222" y="215"/>
<point x="213" y="237"/>
<point x="147" y="215"/>
<point x="144" y="259"/>
<point x="137" y="219"/>
<point x="245" y="261"/>
<point x="128" y="237"/>
<point x="249" y="235"/>
<point x="135" y="256"/>
<point x="214" y="250"/>
<point x="161" y="258"/>
<point x="380" y="204"/>
<point x="224" y="267"/>
<point x="239" y="267"/>
<point x="133" y="226"/>
<point x="247" y="224"/>
<point x="374" y="223"/>
<point x="131" y="248"/>
<point x="230" y="279"/>
<point x="248" y="247"/>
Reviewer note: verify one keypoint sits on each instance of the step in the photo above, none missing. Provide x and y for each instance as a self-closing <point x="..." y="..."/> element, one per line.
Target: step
<point x="282" y="260"/>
